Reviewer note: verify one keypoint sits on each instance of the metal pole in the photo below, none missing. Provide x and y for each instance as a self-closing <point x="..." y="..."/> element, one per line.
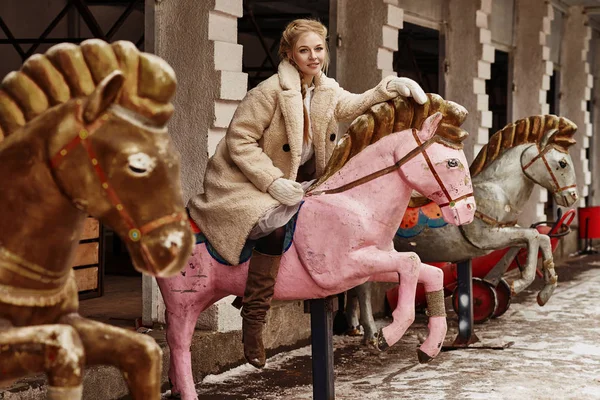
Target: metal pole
<point x="321" y="320"/>
<point x="465" y="336"/>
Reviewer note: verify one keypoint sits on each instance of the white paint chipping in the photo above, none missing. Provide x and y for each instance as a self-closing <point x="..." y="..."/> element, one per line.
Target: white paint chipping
<point x="174" y="239"/>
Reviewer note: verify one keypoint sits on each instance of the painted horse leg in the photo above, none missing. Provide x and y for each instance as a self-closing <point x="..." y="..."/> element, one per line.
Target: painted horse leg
<point x="512" y="236"/>
<point x="352" y="312"/>
<point x="406" y="266"/>
<point x="54" y="349"/>
<point x="136" y="355"/>
<point x="180" y="331"/>
<point x="433" y="281"/>
<point x="184" y="303"/>
<point x="366" y="312"/>
<point x="550" y="277"/>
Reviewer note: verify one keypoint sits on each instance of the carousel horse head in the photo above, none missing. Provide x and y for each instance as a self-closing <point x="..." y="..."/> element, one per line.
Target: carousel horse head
<point x="550" y="166"/>
<point x="101" y="110"/>
<point x="442" y="157"/>
<point x="436" y="168"/>
<point x="544" y="158"/>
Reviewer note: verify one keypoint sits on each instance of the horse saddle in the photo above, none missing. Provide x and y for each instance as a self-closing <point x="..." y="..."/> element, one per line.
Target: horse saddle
<point x="290" y="228"/>
<point x="421" y="213"/>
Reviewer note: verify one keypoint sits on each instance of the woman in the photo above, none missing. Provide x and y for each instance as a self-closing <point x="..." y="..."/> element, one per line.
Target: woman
<point x="282" y="133"/>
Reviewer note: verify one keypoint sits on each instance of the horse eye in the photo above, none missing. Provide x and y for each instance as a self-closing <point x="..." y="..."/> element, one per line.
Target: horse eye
<point x="452" y="163"/>
<point x="562" y="163"/>
<point x="140" y="164"/>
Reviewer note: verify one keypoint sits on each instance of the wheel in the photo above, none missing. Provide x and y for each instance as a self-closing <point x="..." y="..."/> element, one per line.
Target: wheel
<point x="503" y="296"/>
<point x="484" y="301"/>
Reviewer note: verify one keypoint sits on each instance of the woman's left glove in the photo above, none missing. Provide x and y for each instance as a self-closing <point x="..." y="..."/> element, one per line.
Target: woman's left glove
<point x="286" y="191"/>
<point x="408" y="88"/>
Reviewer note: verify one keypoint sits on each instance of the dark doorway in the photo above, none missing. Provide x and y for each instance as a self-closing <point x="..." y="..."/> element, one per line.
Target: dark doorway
<point x="260" y="28"/>
<point x="552" y="95"/>
<point x="418" y="56"/>
<point x="552" y="98"/>
<point x="497" y="89"/>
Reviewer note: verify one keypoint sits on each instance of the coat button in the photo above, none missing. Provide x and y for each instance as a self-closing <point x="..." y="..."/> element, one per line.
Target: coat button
<point x="332" y="137"/>
<point x="286" y="147"/>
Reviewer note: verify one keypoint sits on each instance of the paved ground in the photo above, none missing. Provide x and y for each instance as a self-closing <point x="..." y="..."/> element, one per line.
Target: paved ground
<point x="555" y="355"/>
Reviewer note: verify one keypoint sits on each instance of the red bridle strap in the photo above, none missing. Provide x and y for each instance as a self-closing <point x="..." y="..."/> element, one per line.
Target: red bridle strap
<point x="135" y="233"/>
<point x="420" y="149"/>
<point x="542" y="155"/>
<point x="451" y="202"/>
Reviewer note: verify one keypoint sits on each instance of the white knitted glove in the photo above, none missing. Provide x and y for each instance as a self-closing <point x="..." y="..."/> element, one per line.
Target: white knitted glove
<point x="286" y="191"/>
<point x="407" y="87"/>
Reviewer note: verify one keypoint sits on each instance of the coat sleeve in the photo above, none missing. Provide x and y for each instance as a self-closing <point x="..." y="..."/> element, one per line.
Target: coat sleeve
<point x="252" y="117"/>
<point x="351" y="105"/>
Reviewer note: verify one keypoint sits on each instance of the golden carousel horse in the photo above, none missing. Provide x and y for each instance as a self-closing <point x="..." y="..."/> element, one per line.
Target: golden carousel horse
<point x="82" y="132"/>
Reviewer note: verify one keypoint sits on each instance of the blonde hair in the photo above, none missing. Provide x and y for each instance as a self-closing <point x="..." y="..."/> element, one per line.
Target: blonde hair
<point x="292" y="33"/>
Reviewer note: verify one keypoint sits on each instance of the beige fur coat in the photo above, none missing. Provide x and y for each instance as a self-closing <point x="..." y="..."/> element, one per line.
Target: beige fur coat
<point x="263" y="143"/>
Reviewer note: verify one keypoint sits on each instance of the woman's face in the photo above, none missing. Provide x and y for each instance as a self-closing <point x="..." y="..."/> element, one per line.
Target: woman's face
<point x="309" y="54"/>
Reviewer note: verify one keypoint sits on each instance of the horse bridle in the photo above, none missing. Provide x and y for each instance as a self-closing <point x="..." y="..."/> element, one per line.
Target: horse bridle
<point x="135" y="232"/>
<point x="542" y="155"/>
<point x="420" y="149"/>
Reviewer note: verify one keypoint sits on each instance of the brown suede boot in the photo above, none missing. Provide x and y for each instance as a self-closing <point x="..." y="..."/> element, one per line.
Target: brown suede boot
<point x="260" y="287"/>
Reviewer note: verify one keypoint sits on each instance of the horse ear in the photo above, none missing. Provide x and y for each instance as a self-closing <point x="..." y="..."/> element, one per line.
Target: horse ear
<point x="103" y="96"/>
<point x="547" y="138"/>
<point x="429" y="126"/>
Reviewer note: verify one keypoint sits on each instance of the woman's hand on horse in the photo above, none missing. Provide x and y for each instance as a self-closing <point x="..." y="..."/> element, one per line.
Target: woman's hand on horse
<point x="286" y="191"/>
<point x="408" y="88"/>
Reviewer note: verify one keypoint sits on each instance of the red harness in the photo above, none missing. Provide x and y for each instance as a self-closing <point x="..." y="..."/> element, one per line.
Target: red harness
<point x="136" y="232"/>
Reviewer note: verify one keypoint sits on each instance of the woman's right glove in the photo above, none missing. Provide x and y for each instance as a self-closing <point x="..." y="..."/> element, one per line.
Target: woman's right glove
<point x="408" y="88"/>
<point x="286" y="191"/>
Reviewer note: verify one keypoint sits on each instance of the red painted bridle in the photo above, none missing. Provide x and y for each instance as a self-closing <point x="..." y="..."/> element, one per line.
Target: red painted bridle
<point x="135" y="232"/>
<point x="420" y="149"/>
<point x="542" y="155"/>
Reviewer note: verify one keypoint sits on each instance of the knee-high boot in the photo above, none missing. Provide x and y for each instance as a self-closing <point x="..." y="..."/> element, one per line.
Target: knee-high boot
<point x="260" y="287"/>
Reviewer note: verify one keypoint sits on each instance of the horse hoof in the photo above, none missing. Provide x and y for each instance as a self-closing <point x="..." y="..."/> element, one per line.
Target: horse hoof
<point x="423" y="357"/>
<point x="545" y="294"/>
<point x="353" y="332"/>
<point x="170" y="395"/>
<point x="256" y="362"/>
<point x="381" y="343"/>
<point x="369" y="342"/>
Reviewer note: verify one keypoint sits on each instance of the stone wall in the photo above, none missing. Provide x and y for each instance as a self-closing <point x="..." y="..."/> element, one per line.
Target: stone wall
<point x="532" y="71"/>
<point x="577" y="83"/>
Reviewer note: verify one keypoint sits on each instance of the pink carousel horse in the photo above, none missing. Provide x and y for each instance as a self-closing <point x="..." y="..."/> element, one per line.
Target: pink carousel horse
<point x="355" y="203"/>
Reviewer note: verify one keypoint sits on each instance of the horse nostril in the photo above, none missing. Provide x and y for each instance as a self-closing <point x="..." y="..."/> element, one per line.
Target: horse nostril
<point x="469" y="206"/>
<point x="574" y="195"/>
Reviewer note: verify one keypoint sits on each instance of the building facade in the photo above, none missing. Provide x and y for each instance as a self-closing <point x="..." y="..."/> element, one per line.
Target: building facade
<point x="501" y="59"/>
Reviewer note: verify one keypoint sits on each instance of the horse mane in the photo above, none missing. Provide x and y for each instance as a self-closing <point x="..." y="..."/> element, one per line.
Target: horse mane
<point x="392" y="116"/>
<point x="523" y="131"/>
<point x="69" y="71"/>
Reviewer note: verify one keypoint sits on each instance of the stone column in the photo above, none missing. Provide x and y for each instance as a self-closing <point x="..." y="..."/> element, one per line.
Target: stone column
<point x="368" y="32"/>
<point x="532" y="71"/>
<point x="468" y="58"/>
<point x="199" y="40"/>
<point x="595" y="157"/>
<point x="576" y="90"/>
